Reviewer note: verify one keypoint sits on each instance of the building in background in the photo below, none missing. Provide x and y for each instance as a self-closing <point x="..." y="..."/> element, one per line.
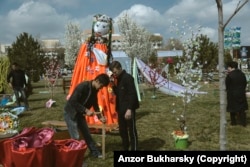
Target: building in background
<point x="4" y="49"/>
<point x="117" y="40"/>
<point x="50" y="46"/>
<point x="242" y="52"/>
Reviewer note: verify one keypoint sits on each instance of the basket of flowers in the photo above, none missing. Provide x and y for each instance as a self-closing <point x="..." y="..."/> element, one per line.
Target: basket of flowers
<point x="8" y="124"/>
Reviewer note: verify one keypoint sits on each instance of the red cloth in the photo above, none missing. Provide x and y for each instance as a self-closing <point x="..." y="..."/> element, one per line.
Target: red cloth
<point x="35" y="156"/>
<point x="5" y="147"/>
<point x="33" y="149"/>
<point x="36" y="147"/>
<point x="69" y="152"/>
<point x="170" y="60"/>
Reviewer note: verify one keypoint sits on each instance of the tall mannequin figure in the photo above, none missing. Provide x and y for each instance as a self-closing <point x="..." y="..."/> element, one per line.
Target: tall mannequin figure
<point x="93" y="59"/>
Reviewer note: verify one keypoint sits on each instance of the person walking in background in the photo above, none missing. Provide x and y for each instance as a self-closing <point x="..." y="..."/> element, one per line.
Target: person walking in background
<point x="17" y="81"/>
<point x="236" y="94"/>
<point x="126" y="104"/>
<point x="248" y="64"/>
<point x="79" y="104"/>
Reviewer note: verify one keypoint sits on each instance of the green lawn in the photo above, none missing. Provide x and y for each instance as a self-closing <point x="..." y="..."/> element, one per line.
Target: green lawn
<point x="155" y="121"/>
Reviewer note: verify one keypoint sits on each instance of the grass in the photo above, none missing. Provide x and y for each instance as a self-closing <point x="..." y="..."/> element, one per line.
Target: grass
<point x="155" y="121"/>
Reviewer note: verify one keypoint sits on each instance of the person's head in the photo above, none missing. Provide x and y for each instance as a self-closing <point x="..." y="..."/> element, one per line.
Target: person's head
<point x="232" y="65"/>
<point x="14" y="66"/>
<point x="100" y="81"/>
<point x="116" y="68"/>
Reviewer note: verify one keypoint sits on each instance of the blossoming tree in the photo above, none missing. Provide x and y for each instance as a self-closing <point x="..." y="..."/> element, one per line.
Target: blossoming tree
<point x="189" y="69"/>
<point x="52" y="71"/>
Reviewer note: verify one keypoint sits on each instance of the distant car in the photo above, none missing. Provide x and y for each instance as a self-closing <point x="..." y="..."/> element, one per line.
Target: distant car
<point x="64" y="72"/>
<point x="69" y="71"/>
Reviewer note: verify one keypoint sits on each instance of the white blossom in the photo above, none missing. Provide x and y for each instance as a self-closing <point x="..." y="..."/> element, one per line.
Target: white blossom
<point x="136" y="42"/>
<point x="72" y="43"/>
<point x="189" y="73"/>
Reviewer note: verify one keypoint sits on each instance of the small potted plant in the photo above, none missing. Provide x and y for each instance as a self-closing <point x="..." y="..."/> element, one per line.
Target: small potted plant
<point x="181" y="136"/>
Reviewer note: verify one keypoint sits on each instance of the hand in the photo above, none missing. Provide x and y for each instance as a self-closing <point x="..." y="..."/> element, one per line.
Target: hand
<point x="109" y="73"/>
<point x="89" y="113"/>
<point x="26" y="88"/>
<point x="128" y="114"/>
<point x="112" y="81"/>
<point x="103" y="120"/>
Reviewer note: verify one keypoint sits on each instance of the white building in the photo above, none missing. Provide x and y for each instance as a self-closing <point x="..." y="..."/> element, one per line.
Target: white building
<point x="117" y="40"/>
<point x="4" y="48"/>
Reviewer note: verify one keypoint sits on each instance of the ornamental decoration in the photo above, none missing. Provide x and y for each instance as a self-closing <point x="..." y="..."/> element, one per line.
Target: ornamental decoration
<point x="8" y="123"/>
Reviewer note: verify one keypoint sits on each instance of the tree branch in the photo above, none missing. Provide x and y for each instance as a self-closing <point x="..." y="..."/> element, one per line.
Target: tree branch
<point x="235" y="12"/>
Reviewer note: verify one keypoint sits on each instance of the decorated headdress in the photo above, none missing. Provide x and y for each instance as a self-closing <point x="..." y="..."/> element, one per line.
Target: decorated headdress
<point x="102" y="25"/>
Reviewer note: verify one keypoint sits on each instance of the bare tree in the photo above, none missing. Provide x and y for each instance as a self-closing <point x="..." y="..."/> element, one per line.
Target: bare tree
<point x="136" y="40"/>
<point x="72" y="43"/>
<point x="223" y="102"/>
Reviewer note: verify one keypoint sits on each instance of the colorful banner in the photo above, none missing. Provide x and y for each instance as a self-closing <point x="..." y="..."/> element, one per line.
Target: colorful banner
<point x="232" y="38"/>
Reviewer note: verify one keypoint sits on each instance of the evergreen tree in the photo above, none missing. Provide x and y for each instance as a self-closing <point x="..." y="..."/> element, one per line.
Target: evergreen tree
<point x="208" y="53"/>
<point x="27" y="52"/>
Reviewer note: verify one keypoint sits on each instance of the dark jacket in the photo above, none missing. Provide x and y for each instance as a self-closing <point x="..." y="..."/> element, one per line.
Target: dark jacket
<point x="18" y="78"/>
<point x="236" y="91"/>
<point x="125" y="91"/>
<point x="84" y="96"/>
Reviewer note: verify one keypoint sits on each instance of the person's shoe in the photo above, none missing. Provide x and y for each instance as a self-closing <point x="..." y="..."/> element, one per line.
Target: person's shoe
<point x="243" y="124"/>
<point x="97" y="155"/>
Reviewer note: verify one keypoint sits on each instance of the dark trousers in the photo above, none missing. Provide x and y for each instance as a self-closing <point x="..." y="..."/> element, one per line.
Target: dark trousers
<point x="83" y="127"/>
<point x="128" y="132"/>
<point x="23" y="97"/>
<point x="238" y="116"/>
<point x="81" y="124"/>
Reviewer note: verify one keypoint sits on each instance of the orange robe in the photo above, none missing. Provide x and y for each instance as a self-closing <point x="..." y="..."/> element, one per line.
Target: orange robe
<point x="87" y="68"/>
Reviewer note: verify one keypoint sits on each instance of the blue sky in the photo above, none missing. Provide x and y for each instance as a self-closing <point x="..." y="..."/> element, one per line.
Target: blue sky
<point x="47" y="18"/>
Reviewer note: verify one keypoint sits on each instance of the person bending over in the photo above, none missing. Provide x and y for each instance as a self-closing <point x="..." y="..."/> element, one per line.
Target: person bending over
<point x="82" y="99"/>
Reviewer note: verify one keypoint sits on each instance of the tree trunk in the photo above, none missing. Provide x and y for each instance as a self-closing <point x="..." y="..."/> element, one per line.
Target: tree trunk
<point x="221" y="77"/>
<point x="223" y="101"/>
